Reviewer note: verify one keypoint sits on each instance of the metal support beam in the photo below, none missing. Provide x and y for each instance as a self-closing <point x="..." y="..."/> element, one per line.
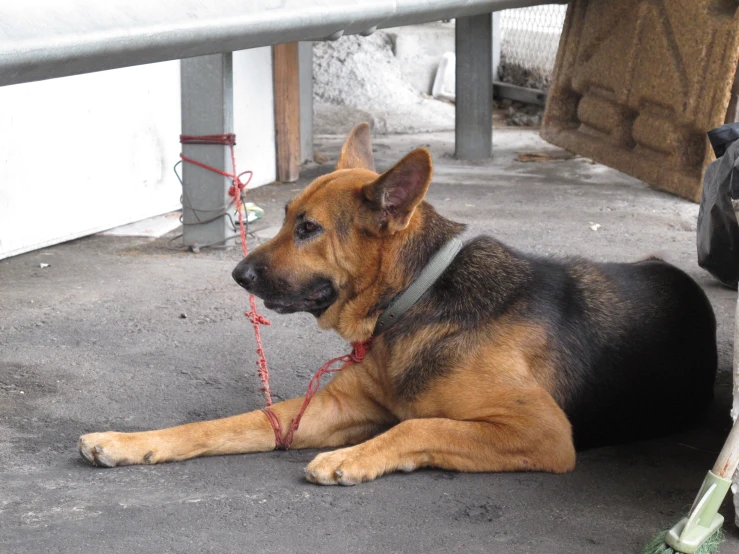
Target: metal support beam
<point x="42" y="39"/>
<point x="474" y="89"/>
<point x="207" y="109"/>
<point x="305" y="61"/>
<point x="519" y="94"/>
<point x="496" y="45"/>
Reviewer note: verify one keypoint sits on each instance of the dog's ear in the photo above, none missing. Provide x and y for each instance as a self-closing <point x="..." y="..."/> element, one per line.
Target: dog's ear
<point x="394" y="195"/>
<point x="357" y="150"/>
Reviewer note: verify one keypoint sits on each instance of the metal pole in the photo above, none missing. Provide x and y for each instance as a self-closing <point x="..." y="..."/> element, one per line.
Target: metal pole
<point x="474" y="90"/>
<point x="496" y="45"/>
<point x="207" y="109"/>
<point x="305" y="62"/>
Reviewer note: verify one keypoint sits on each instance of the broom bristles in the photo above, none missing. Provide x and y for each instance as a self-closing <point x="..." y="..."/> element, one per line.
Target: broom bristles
<point x="658" y="545"/>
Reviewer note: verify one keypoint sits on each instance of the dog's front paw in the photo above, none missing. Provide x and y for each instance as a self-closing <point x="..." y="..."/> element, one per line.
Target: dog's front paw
<point x="342" y="467"/>
<point x="112" y="449"/>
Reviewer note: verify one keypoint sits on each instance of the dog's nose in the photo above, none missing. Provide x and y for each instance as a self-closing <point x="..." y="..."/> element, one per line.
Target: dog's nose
<point x="245" y="274"/>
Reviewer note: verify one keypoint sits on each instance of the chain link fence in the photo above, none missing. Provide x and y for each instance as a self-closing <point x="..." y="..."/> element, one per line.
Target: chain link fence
<point x="528" y="44"/>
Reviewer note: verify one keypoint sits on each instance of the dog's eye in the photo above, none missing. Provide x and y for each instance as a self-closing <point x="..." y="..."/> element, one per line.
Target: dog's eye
<point x="307" y="229"/>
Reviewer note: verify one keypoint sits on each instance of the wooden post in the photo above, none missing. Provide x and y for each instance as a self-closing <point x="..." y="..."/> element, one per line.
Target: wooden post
<point x="287" y="110"/>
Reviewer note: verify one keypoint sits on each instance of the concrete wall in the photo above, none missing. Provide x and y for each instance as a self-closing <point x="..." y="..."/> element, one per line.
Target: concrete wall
<point x="87" y="153"/>
<point x="419" y="48"/>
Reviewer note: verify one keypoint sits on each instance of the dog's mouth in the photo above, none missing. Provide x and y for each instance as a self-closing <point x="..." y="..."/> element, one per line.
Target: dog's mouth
<point x="283" y="295"/>
<point x="315" y="299"/>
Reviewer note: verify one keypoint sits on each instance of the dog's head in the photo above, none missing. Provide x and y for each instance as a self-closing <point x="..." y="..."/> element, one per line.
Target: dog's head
<point x="331" y="243"/>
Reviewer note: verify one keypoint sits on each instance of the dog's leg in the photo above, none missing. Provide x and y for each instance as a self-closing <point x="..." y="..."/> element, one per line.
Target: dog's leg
<point x="535" y="436"/>
<point x="338" y="415"/>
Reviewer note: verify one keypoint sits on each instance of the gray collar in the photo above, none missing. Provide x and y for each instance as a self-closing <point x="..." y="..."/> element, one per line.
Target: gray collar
<point x="429" y="275"/>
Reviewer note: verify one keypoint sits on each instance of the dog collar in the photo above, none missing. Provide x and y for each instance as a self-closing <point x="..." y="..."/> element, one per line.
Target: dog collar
<point x="429" y="275"/>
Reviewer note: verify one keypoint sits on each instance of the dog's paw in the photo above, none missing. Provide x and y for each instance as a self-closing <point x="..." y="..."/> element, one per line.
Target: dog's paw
<point x="341" y="467"/>
<point x="112" y="449"/>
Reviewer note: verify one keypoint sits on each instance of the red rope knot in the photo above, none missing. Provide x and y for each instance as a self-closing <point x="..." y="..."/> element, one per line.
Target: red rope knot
<point x="257" y="319"/>
<point x="276" y="427"/>
<point x="236" y="190"/>
<point x="360" y="350"/>
<point x="227" y="139"/>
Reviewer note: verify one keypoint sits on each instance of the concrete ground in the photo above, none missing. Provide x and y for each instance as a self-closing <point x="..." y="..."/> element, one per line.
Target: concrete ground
<point x="125" y="334"/>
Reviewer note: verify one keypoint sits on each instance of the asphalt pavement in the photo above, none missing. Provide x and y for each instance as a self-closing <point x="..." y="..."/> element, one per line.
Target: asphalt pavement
<point x="125" y="334"/>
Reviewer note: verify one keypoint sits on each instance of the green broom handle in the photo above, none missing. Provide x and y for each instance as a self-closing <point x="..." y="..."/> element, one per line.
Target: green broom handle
<point x="728" y="459"/>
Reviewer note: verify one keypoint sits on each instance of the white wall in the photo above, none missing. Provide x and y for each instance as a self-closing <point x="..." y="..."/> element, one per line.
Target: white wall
<point x="87" y="153"/>
<point x="254" y="114"/>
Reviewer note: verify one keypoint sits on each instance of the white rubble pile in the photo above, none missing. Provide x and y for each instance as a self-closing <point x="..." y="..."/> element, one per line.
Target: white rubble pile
<point x="360" y="79"/>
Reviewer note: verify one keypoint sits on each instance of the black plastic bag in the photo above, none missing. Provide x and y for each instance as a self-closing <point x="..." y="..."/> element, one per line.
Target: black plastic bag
<point x="718" y="230"/>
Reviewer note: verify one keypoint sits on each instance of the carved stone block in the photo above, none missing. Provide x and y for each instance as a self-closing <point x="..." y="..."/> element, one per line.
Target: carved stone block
<point x="637" y="84"/>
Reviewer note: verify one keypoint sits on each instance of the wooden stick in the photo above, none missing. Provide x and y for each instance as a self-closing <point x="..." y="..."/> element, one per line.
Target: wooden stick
<point x="728" y="459"/>
<point x="732" y="112"/>
<point x="287" y="110"/>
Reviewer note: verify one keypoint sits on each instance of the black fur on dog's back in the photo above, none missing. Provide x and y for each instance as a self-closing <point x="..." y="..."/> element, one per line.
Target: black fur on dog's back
<point x="636" y="360"/>
<point x="631" y="347"/>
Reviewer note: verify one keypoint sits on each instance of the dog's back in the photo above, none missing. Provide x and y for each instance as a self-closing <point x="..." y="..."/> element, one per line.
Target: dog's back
<point x="637" y="346"/>
<point x="631" y="347"/>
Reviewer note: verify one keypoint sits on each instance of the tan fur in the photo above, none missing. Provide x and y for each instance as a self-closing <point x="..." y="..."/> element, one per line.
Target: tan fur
<point x="492" y="410"/>
<point x="357" y="150"/>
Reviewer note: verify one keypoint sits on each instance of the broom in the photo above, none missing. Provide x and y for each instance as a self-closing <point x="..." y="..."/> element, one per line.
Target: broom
<point x="700" y="532"/>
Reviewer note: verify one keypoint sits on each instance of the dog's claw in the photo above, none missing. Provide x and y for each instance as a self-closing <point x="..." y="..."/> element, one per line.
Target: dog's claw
<point x="348" y="482"/>
<point x="91" y="449"/>
<point x="319" y="477"/>
<point x="86" y="455"/>
<point x="340" y="479"/>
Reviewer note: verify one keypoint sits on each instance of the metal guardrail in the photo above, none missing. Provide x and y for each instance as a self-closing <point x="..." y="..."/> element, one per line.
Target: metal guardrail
<point x="44" y="39"/>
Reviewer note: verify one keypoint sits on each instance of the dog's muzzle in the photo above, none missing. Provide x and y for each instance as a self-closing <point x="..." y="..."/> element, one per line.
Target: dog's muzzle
<point x="314" y="296"/>
<point x="245" y="274"/>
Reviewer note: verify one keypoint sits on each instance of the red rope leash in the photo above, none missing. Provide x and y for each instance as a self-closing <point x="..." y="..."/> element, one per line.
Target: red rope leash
<point x="236" y="191"/>
<point x="284" y="442"/>
<point x="359" y="351"/>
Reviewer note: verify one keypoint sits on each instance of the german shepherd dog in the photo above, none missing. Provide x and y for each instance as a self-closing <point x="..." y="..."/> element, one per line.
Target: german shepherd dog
<point x="508" y="362"/>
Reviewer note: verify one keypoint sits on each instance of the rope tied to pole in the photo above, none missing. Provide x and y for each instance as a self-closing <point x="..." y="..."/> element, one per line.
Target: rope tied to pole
<point x="236" y="192"/>
<point x="359" y="350"/>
